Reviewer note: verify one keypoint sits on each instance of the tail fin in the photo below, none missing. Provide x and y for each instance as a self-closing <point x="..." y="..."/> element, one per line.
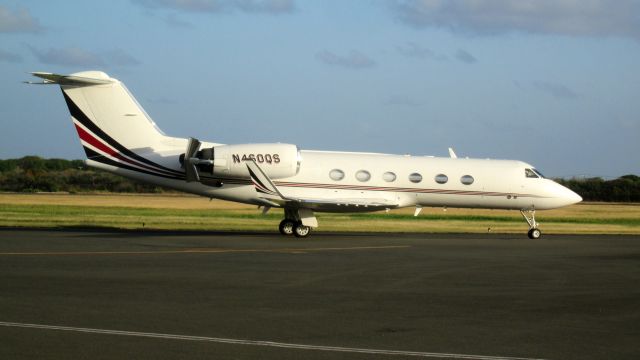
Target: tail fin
<point x="103" y="106"/>
<point x="112" y="126"/>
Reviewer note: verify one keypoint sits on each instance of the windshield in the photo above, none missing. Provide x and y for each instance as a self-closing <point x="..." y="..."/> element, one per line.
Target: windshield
<point x="538" y="172"/>
<point x="530" y="173"/>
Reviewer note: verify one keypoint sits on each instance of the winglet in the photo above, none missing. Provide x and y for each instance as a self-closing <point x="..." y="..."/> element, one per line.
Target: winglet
<point x="452" y="154"/>
<point x="261" y="181"/>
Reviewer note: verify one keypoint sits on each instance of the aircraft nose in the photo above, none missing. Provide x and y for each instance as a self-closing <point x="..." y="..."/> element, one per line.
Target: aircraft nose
<point x="569" y="196"/>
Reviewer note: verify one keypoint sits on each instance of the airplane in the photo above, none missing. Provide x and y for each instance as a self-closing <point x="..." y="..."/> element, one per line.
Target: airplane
<point x="120" y="137"/>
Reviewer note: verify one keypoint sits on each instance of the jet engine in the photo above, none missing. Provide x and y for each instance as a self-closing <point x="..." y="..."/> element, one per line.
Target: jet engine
<point x="228" y="161"/>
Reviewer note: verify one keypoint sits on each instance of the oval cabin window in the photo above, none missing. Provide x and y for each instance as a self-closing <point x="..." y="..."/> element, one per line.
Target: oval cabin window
<point x="336" y="174"/>
<point x="363" y="175"/>
<point x="415" y="178"/>
<point x="467" y="179"/>
<point x="441" y="179"/>
<point x="389" y="176"/>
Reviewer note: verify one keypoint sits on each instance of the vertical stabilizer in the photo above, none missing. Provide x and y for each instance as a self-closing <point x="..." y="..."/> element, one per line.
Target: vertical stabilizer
<point x="112" y="126"/>
<point x="111" y="108"/>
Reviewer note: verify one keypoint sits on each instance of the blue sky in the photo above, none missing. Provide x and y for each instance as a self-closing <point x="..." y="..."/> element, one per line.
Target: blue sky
<point x="551" y="82"/>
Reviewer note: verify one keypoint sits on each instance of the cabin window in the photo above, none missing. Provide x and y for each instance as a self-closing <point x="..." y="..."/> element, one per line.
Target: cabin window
<point x="389" y="176"/>
<point x="530" y="173"/>
<point x="415" y="178"/>
<point x="363" y="175"/>
<point x="336" y="174"/>
<point x="467" y="179"/>
<point x="441" y="179"/>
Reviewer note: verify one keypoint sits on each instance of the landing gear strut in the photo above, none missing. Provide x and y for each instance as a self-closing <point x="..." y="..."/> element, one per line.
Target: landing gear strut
<point x="530" y="217"/>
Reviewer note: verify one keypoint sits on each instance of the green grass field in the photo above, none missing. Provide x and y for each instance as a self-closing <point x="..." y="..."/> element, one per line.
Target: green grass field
<point x="183" y="212"/>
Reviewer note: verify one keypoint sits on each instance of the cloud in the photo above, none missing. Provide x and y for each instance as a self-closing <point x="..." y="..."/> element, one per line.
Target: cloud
<point x="354" y="60"/>
<point x="555" y="90"/>
<point x="119" y="58"/>
<point x="18" y="22"/>
<point x="219" y="6"/>
<point x="465" y="57"/>
<point x="490" y="17"/>
<point x="175" y="22"/>
<point x="162" y="101"/>
<point x="6" y="56"/>
<point x="77" y="57"/>
<point x="67" y="57"/>
<point x="414" y="50"/>
<point x="401" y="100"/>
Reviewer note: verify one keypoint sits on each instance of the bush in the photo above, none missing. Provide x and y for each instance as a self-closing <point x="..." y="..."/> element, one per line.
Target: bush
<point x="623" y="189"/>
<point x="32" y="173"/>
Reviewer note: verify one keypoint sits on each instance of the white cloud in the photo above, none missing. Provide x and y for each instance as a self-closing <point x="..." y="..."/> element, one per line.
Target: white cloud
<point x="67" y="57"/>
<point x="176" y="22"/>
<point x="20" y="21"/>
<point x="414" y="50"/>
<point x="401" y="100"/>
<point x="10" y="57"/>
<point x="119" y="57"/>
<point x="561" y="17"/>
<point x="77" y="57"/>
<point x="465" y="57"/>
<point x="555" y="90"/>
<point x="217" y="6"/>
<point x="354" y="60"/>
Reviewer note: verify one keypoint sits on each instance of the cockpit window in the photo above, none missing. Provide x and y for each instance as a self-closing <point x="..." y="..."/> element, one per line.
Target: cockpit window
<point x="538" y="173"/>
<point x="530" y="173"/>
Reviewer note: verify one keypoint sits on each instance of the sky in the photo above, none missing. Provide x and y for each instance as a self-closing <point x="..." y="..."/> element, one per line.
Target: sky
<point x="555" y="83"/>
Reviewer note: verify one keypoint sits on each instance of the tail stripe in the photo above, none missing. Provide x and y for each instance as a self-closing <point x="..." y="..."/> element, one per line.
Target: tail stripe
<point x="95" y="156"/>
<point x="90" y="141"/>
<point x="87" y="123"/>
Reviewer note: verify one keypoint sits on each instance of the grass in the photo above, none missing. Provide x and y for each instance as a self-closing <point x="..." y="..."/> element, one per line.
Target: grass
<point x="184" y="212"/>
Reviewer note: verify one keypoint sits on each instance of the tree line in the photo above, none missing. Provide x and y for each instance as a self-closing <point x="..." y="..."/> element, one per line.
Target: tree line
<point x="33" y="174"/>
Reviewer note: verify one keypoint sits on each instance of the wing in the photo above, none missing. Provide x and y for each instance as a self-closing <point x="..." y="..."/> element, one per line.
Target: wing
<point x="272" y="196"/>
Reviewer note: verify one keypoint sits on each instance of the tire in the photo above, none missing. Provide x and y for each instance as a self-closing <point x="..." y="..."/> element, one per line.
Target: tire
<point x="301" y="231"/>
<point x="286" y="227"/>
<point x="534" y="234"/>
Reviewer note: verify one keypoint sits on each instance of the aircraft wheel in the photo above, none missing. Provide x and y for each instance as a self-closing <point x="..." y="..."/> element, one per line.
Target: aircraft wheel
<point x="301" y="231"/>
<point x="286" y="227"/>
<point x="534" y="234"/>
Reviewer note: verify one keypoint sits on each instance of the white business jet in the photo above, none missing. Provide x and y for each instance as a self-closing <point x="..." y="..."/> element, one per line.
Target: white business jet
<point x="118" y="136"/>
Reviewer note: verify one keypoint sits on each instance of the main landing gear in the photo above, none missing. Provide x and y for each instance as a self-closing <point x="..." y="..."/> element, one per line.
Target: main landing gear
<point x="294" y="227"/>
<point x="293" y="222"/>
<point x="530" y="217"/>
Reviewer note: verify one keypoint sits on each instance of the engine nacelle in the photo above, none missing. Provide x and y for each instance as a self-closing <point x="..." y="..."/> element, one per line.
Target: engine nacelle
<point x="276" y="160"/>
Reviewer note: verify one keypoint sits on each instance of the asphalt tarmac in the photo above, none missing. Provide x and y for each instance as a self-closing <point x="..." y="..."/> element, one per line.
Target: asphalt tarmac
<point x="161" y="295"/>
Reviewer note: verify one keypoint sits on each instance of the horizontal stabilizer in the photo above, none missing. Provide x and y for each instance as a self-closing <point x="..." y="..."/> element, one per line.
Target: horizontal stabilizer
<point x="78" y="79"/>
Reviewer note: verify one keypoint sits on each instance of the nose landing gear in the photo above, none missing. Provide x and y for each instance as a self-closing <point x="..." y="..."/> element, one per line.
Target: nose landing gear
<point x="530" y="216"/>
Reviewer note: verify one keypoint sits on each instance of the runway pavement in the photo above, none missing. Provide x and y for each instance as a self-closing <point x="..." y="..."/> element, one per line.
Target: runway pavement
<point x="162" y="295"/>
